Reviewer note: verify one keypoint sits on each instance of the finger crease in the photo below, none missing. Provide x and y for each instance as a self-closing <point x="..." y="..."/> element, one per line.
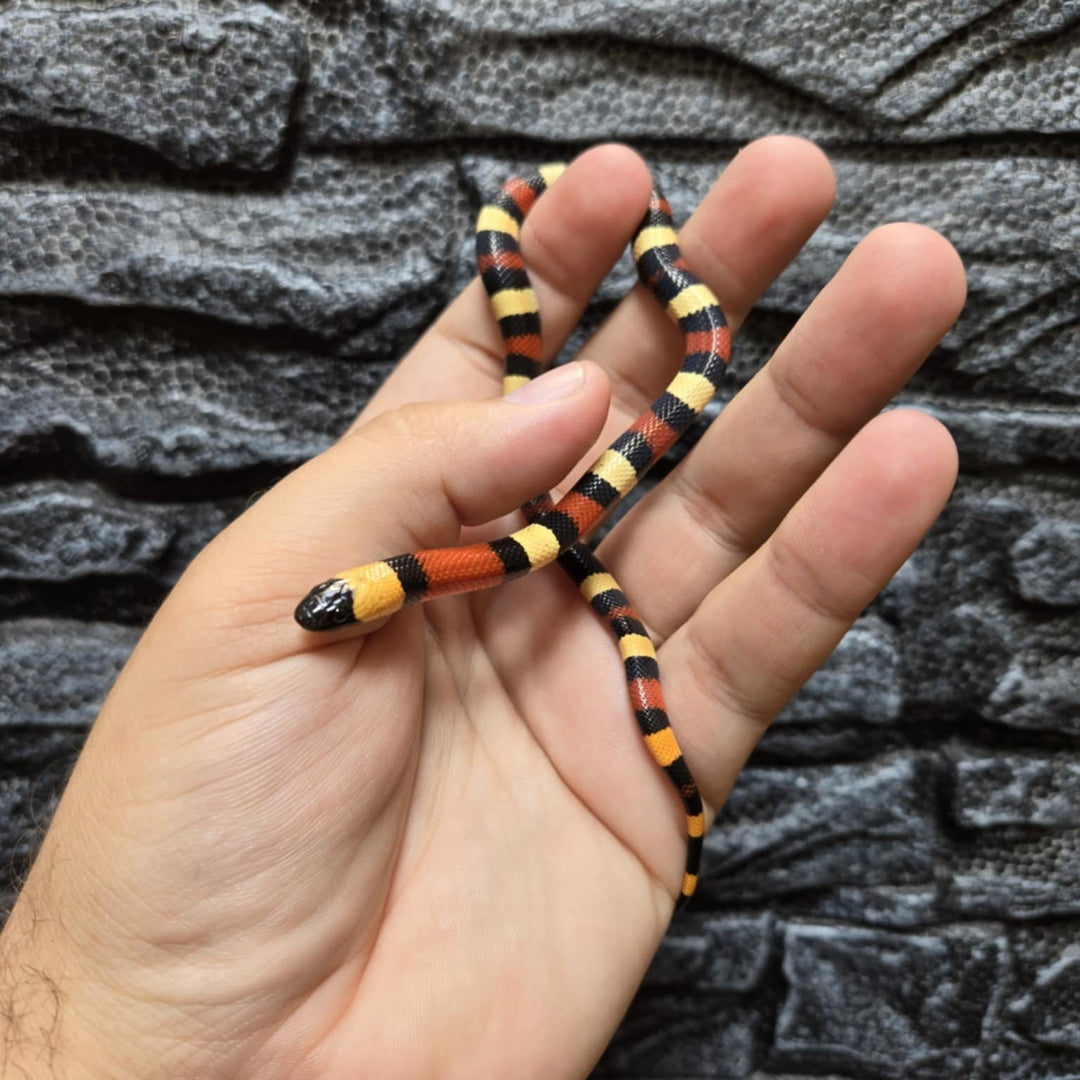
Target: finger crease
<point x="720" y="685"/>
<point x="532" y="237"/>
<point x="620" y="399"/>
<point x="629" y="393"/>
<point x="797" y="577"/>
<point x="806" y="411"/>
<point x="483" y="358"/>
<point x="719" y="265"/>
<point x="708" y="515"/>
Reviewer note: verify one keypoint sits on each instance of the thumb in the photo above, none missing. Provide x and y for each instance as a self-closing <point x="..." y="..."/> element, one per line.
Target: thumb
<point x="409" y="479"/>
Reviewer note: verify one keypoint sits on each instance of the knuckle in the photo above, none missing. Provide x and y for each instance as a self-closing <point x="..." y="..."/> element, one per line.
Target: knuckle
<point x="799" y="577"/>
<point x="719" y="683"/>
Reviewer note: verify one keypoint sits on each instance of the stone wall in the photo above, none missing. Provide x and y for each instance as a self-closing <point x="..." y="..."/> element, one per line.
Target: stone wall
<point x="220" y="224"/>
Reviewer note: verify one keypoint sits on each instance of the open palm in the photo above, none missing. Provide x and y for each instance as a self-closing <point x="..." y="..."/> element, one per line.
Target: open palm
<point x="441" y="849"/>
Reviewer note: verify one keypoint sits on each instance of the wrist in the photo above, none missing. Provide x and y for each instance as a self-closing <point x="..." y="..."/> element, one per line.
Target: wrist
<point x="41" y="1027"/>
<point x="60" y="1017"/>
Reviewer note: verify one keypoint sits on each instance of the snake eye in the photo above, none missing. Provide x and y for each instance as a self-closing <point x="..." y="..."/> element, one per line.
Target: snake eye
<point x="327" y="606"/>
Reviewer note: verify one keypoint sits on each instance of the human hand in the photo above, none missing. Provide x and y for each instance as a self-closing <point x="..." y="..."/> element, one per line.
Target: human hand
<point x="441" y="849"/>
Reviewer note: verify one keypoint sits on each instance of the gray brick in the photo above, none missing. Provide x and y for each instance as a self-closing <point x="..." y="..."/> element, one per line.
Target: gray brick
<point x="358" y="92"/>
<point x="1029" y="352"/>
<point x="1023" y="91"/>
<point x="789" y="830"/>
<point x="371" y="251"/>
<point x="55" y="672"/>
<point x="791" y="1076"/>
<point x="1038" y="692"/>
<point x="90" y="531"/>
<point x="1015" y="874"/>
<point x="1011" y="789"/>
<point x="890" y="907"/>
<point x="963" y="563"/>
<point x="955" y="656"/>
<point x="860" y="681"/>
<point x="1021" y="1059"/>
<point x="889" y="1005"/>
<point x="128" y="395"/>
<point x="468" y="79"/>
<point x="38" y="751"/>
<point x="1046" y="562"/>
<point x="201" y="87"/>
<point x="991" y="436"/>
<point x="809" y="743"/>
<point x="1044" y="1008"/>
<point x="943" y="71"/>
<point x="714" y="953"/>
<point x="820" y="49"/>
<point x="678" y="1036"/>
<point x="24" y="322"/>
<point x="1054" y="1003"/>
<point x="549" y="71"/>
<point x="967" y="646"/>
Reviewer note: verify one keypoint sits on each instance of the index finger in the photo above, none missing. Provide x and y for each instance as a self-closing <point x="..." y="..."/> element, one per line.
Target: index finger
<point x="572" y="238"/>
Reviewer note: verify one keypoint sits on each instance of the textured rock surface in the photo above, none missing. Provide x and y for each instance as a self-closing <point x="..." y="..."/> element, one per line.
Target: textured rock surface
<point x="328" y="263"/>
<point x="199" y="86"/>
<point x="837" y="691"/>
<point x="55" y="673"/>
<point x="93" y="532"/>
<point x="1014" y="789"/>
<point x="798" y="829"/>
<point x="224" y="221"/>
<point x="889" y="1005"/>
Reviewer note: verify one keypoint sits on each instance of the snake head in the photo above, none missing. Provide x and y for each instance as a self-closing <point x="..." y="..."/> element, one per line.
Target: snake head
<point x="363" y="594"/>
<point x="327" y="606"/>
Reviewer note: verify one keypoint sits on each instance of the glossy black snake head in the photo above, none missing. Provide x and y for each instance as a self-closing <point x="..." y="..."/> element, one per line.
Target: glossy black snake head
<point x="327" y="606"/>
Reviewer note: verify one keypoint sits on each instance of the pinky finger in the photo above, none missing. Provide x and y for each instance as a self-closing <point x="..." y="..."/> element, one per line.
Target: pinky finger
<point x="763" y="631"/>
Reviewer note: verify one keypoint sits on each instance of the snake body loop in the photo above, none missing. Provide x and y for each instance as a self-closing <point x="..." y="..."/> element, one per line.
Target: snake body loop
<point x="554" y="529"/>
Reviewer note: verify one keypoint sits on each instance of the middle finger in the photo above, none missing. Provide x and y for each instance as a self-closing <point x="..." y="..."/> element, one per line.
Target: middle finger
<point x="853" y="349"/>
<point x="765" y="205"/>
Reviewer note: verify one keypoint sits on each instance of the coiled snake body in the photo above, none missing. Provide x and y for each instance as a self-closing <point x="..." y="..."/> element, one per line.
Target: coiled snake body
<point x="554" y="530"/>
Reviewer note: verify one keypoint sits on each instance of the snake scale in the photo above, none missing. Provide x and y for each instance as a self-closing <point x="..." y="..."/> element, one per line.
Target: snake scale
<point x="554" y="530"/>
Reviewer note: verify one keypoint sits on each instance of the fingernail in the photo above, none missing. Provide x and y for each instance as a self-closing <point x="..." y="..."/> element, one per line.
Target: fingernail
<point x="558" y="383"/>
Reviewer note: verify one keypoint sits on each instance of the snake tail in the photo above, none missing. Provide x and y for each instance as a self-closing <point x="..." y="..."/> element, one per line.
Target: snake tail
<point x="601" y="591"/>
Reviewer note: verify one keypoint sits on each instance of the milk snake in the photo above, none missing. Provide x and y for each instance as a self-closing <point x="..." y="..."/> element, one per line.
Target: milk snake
<point x="554" y="530"/>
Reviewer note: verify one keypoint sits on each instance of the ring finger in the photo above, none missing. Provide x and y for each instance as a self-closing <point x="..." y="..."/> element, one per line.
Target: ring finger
<point x="853" y="349"/>
<point x="758" y="635"/>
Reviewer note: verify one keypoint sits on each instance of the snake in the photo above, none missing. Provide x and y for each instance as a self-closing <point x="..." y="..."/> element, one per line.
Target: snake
<point x="554" y="531"/>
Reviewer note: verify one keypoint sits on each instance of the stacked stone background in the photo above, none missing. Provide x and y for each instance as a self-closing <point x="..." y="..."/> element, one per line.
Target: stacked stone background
<point x="220" y="224"/>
